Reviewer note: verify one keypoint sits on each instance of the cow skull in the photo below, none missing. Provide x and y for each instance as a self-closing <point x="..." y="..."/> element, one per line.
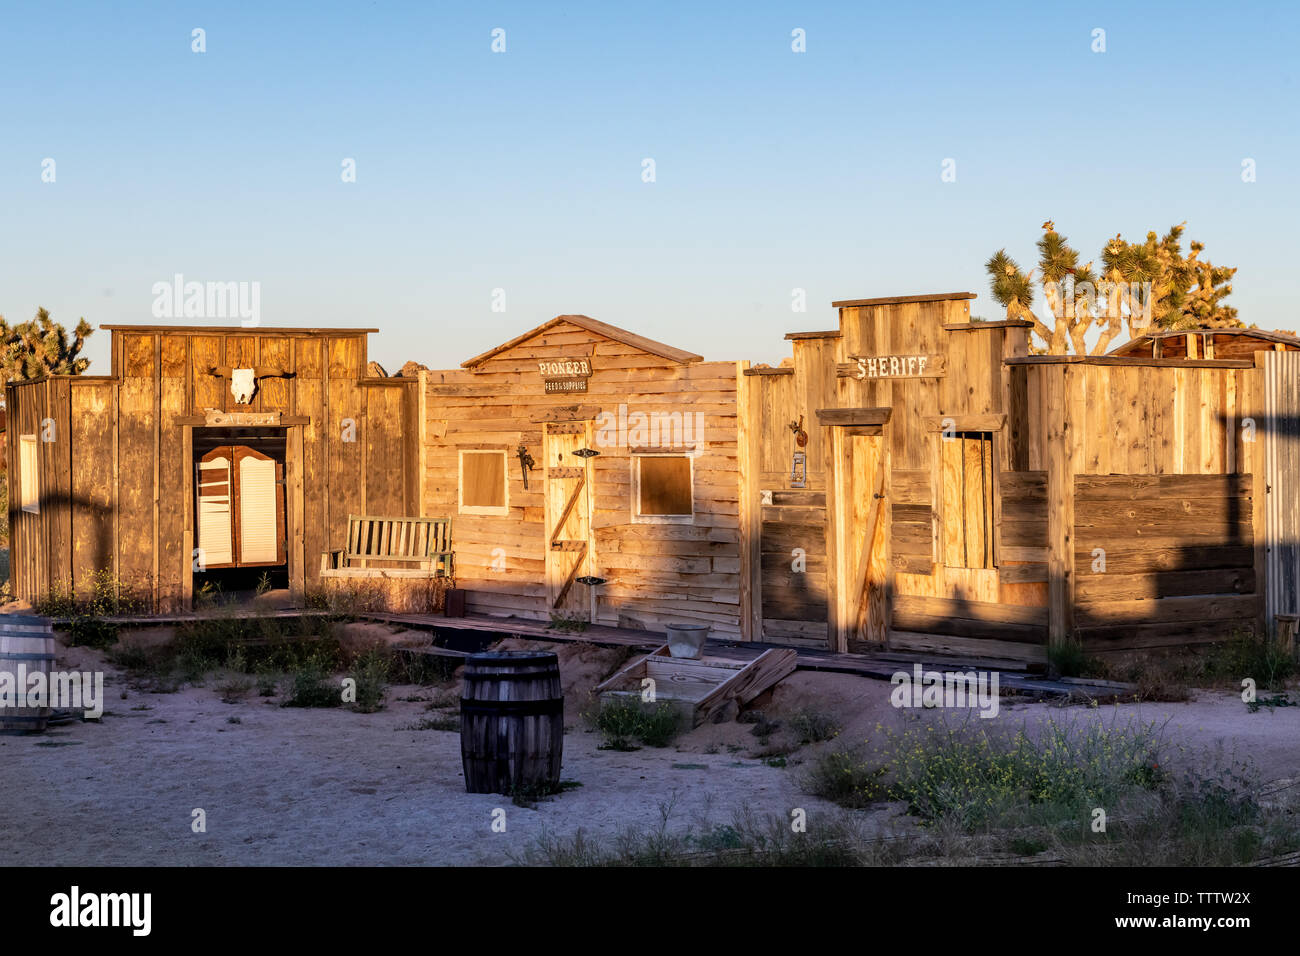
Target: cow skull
<point x="243" y="383"/>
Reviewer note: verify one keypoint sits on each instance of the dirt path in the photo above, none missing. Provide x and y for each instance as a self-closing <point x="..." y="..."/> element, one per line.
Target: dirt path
<point x="290" y="786"/>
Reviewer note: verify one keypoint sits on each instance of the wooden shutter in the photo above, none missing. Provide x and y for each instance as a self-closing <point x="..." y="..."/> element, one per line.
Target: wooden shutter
<point x="215" y="508"/>
<point x="968" y="500"/>
<point x="664" y="486"/>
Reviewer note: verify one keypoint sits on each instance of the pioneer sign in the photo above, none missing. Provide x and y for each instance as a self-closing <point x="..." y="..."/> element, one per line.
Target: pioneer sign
<point x="863" y="367"/>
<point x="566" y="375"/>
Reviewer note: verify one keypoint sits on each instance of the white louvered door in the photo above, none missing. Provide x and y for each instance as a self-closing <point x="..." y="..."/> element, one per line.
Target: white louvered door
<point x="215" y="511"/>
<point x="259" y="541"/>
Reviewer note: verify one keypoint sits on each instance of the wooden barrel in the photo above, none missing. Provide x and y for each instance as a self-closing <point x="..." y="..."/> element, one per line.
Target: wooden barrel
<point x="511" y="721"/>
<point x="26" y="646"/>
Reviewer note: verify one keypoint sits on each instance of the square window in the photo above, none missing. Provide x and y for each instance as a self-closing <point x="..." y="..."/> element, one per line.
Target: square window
<point x="663" y="488"/>
<point x="483" y="483"/>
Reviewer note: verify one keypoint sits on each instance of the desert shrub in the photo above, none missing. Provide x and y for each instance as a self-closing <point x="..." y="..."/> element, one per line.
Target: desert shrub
<point x="446" y="722"/>
<point x="814" y="726"/>
<point x="624" y="720"/>
<point x="845" y="778"/>
<point x="424" y="669"/>
<point x="371" y="674"/>
<point x="267" y="678"/>
<point x="974" y="778"/>
<point x="310" y="684"/>
<point x="1069" y="659"/>
<point x="748" y="840"/>
<point x="235" y="684"/>
<point x="193" y="664"/>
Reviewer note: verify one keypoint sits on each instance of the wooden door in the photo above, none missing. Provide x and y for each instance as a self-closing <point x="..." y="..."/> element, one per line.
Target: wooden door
<point x="240" y="508"/>
<point x="860" y="537"/>
<point x="569" y="545"/>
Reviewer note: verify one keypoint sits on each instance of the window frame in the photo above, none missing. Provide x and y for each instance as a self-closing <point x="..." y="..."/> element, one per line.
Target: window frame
<point x="29" y="478"/>
<point x="639" y="518"/>
<point x="994" y="499"/>
<point x="491" y="511"/>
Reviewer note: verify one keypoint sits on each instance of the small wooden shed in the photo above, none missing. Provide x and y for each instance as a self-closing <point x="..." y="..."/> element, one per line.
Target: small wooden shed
<point x="206" y="454"/>
<point x="591" y="474"/>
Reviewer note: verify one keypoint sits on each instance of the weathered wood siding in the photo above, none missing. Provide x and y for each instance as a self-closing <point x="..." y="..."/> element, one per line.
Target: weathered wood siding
<point x="655" y="573"/>
<point x="116" y="483"/>
<point x="1277" y="425"/>
<point x="1162" y="560"/>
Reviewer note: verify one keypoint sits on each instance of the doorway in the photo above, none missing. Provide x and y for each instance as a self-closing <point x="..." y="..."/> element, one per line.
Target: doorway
<point x="859" y="534"/>
<point x="566" y="456"/>
<point x="239" y="518"/>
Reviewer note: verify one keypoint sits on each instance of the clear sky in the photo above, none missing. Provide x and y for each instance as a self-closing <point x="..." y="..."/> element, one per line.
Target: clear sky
<point x="523" y="170"/>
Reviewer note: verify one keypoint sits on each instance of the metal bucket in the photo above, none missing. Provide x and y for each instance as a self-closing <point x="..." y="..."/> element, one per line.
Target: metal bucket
<point x="687" y="640"/>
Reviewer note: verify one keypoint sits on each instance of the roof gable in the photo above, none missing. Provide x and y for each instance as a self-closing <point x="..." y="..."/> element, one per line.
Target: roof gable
<point x="612" y="332"/>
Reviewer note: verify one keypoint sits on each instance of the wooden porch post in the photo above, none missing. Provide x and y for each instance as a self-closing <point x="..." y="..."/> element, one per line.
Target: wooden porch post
<point x="1061" y="463"/>
<point x="748" y="457"/>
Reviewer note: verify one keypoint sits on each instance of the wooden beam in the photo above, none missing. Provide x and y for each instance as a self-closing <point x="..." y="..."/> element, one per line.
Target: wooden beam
<point x="1060" y="511"/>
<point x="853" y="416"/>
<point x="966" y="423"/>
<point x="900" y="299"/>
<point x="566" y="413"/>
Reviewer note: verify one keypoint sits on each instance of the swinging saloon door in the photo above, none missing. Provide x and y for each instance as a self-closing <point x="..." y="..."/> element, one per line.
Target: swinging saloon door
<point x="569" y="545"/>
<point x="239" y="508"/>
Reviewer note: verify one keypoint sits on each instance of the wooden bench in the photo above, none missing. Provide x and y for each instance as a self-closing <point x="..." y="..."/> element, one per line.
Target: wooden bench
<point x="424" y="543"/>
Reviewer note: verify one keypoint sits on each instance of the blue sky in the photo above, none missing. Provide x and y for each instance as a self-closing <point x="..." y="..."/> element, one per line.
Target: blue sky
<point x="521" y="170"/>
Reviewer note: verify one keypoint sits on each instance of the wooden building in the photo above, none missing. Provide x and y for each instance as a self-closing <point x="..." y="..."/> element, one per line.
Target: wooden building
<point x="954" y="493"/>
<point x="590" y="473"/>
<point x="911" y="478"/>
<point x="1207" y="343"/>
<point x="206" y="455"/>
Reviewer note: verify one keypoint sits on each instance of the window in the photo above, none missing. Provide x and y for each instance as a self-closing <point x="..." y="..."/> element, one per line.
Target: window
<point x="28" y="477"/>
<point x="483" y="483"/>
<point x="663" y="489"/>
<point x="967" y="499"/>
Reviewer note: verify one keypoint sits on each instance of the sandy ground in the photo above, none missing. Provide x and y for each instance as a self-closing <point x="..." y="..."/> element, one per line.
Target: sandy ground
<point x="291" y="786"/>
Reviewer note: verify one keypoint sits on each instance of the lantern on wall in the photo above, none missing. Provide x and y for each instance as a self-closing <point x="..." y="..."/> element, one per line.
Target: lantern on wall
<point x="799" y="458"/>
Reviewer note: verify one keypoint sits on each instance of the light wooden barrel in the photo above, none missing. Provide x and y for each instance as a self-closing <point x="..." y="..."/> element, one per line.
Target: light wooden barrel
<point x="511" y="721"/>
<point x="28" y="642"/>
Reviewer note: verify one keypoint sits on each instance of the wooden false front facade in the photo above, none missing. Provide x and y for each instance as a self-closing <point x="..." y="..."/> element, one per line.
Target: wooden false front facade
<point x="129" y="471"/>
<point x="955" y="494"/>
<point x="592" y="475"/>
<point x="911" y="478"/>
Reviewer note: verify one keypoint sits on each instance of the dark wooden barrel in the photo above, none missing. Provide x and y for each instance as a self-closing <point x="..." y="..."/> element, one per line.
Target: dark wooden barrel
<point x="26" y="646"/>
<point x="511" y="721"/>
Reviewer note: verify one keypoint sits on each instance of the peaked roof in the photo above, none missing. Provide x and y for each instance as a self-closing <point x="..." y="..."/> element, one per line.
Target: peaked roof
<point x="600" y="328"/>
<point x="1279" y="335"/>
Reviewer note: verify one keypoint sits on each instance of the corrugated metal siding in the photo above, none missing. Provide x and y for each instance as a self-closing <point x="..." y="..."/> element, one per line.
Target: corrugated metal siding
<point x="1282" y="469"/>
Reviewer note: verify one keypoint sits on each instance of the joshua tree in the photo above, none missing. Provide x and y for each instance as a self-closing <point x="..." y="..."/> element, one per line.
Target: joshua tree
<point x="40" y="347"/>
<point x="1140" y="284"/>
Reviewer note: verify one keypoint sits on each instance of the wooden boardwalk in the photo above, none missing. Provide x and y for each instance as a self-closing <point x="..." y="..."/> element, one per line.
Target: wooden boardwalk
<point x="881" y="664"/>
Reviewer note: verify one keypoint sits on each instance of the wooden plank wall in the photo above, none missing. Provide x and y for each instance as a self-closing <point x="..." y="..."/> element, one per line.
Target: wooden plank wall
<point x="792" y="549"/>
<point x="1162" y="560"/>
<point x="1277" y="446"/>
<point x="118" y="486"/>
<point x="655" y="573"/>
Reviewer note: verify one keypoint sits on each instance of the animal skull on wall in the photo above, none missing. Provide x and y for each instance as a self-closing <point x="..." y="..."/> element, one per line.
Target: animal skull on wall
<point x="242" y="385"/>
<point x="243" y="381"/>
